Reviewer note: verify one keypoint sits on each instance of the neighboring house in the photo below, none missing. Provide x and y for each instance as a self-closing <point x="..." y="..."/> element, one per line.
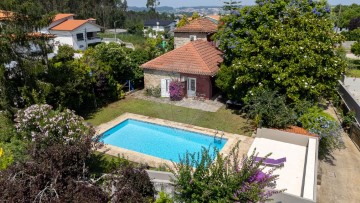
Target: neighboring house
<point x="78" y="34"/>
<point x="214" y="18"/>
<point x="152" y="27"/>
<point x="194" y="64"/>
<point x="298" y="174"/>
<point x="201" y="28"/>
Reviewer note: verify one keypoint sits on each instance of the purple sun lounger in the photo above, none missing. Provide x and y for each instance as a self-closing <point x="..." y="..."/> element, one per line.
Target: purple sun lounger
<point x="269" y="161"/>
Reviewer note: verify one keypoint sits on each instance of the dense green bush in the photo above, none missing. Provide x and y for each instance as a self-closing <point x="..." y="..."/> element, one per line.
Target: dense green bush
<point x="153" y="91"/>
<point x="353" y="35"/>
<point x="269" y="109"/>
<point x="164" y="198"/>
<point x="60" y="147"/>
<point x="227" y="179"/>
<point x="282" y="45"/>
<point x="355" y="48"/>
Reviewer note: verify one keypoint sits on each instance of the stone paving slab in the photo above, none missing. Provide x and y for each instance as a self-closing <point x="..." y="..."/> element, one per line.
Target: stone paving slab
<point x="232" y="139"/>
<point x="207" y="105"/>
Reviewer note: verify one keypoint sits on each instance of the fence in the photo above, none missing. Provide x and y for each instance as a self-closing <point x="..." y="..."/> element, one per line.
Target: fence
<point x="350" y="101"/>
<point x="355" y="134"/>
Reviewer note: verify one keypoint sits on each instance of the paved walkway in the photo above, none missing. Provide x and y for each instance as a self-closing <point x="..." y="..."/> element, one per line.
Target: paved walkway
<point x="340" y="179"/>
<point x="207" y="105"/>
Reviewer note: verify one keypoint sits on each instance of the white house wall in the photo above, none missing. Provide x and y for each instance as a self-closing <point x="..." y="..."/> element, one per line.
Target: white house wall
<point x="69" y="37"/>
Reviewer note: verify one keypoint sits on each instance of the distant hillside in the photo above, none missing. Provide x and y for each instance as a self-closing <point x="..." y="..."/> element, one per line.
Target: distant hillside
<point x="159" y="9"/>
<point x="200" y="7"/>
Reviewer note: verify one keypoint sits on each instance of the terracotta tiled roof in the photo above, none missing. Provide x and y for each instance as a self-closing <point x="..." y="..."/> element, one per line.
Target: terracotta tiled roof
<point x="4" y="15"/>
<point x="62" y="16"/>
<point x="299" y="130"/>
<point x="197" y="57"/>
<point x="198" y="25"/>
<point x="70" y="25"/>
<point x="215" y="17"/>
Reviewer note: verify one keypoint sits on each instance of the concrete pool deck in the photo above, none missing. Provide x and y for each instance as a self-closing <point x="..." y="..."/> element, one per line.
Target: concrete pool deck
<point x="232" y="139"/>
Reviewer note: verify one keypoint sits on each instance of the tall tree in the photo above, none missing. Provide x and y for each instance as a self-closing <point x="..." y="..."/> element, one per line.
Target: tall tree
<point x="231" y="5"/>
<point x="285" y="45"/>
<point x="152" y="4"/>
<point x="23" y="54"/>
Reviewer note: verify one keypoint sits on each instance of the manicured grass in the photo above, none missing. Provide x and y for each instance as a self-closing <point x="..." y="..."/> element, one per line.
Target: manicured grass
<point x="138" y="41"/>
<point x="353" y="73"/>
<point x="223" y="119"/>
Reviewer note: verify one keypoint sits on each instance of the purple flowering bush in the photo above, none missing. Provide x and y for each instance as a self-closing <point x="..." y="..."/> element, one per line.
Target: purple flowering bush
<point x="41" y="121"/>
<point x="326" y="127"/>
<point x="227" y="179"/>
<point x="61" y="165"/>
<point x="176" y="89"/>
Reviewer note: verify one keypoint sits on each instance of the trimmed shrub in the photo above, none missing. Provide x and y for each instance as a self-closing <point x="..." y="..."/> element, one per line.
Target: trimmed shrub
<point x="176" y="90"/>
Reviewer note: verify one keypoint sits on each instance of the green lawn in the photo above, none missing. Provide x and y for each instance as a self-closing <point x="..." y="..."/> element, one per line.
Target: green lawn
<point x="353" y="73"/>
<point x="138" y="41"/>
<point x="223" y="119"/>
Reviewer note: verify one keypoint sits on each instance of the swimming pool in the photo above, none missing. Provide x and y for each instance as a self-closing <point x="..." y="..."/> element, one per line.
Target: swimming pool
<point x="157" y="140"/>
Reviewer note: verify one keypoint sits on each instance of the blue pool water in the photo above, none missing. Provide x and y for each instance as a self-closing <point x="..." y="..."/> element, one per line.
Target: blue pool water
<point x="157" y="140"/>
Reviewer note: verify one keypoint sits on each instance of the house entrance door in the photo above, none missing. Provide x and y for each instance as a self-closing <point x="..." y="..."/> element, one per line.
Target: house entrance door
<point x="165" y="83"/>
<point x="191" y="87"/>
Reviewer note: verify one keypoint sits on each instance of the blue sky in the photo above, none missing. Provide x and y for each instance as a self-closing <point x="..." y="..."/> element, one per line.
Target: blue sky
<point x="179" y="3"/>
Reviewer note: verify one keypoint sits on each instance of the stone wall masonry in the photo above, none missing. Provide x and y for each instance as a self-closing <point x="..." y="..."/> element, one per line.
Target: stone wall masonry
<point x="152" y="78"/>
<point x="181" y="38"/>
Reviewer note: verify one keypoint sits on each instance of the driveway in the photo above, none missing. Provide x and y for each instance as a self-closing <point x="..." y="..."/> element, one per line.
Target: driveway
<point x="340" y="179"/>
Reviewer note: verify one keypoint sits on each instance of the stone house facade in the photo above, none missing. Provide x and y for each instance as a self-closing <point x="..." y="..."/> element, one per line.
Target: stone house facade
<point x="194" y="64"/>
<point x="198" y="29"/>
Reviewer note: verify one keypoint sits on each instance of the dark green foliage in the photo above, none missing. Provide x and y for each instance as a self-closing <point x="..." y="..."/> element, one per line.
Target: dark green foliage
<point x="354" y="23"/>
<point x="283" y="45"/>
<point x="137" y="29"/>
<point x="348" y="119"/>
<point x="227" y="179"/>
<point x="60" y="147"/>
<point x="65" y="53"/>
<point x="355" y="48"/>
<point x="353" y="35"/>
<point x="345" y="13"/>
<point x="269" y="109"/>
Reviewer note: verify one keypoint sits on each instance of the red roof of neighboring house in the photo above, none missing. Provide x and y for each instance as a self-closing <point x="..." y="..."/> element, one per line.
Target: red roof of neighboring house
<point x="299" y="130"/>
<point x="198" y="25"/>
<point x="196" y="57"/>
<point x="70" y="25"/>
<point x="5" y="15"/>
<point x="62" y="16"/>
<point x="215" y="17"/>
